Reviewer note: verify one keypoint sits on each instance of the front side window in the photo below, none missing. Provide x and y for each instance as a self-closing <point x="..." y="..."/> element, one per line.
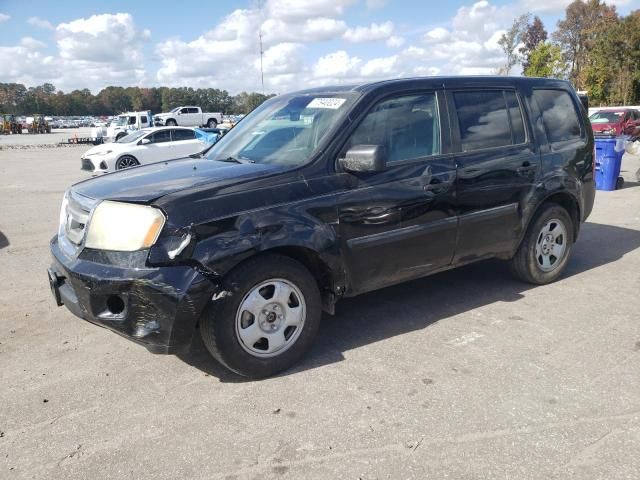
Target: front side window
<point x="488" y="118"/>
<point x="161" y="136"/>
<point x="285" y="130"/>
<point x="559" y="115"/>
<point x="132" y="120"/>
<point x="143" y="120"/>
<point x="408" y="127"/>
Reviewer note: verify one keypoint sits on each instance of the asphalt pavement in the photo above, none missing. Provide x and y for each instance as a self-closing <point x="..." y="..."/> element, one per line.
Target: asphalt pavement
<point x="467" y="374"/>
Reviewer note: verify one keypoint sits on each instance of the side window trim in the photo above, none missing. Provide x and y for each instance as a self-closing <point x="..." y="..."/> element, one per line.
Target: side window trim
<point x="443" y="118"/>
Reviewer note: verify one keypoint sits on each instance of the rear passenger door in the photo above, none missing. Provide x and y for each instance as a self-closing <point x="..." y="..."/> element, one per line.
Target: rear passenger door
<point x="497" y="167"/>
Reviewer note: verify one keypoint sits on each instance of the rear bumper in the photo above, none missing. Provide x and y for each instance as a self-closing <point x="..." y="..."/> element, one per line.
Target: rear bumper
<point x="155" y="307"/>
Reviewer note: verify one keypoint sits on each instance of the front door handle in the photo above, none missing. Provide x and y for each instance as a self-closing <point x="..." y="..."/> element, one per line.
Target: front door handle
<point x="526" y="169"/>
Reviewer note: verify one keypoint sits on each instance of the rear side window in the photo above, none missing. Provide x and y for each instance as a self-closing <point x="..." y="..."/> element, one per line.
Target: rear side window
<point x="181" y="134"/>
<point x="143" y="119"/>
<point x="559" y="115"/>
<point x="488" y="118"/>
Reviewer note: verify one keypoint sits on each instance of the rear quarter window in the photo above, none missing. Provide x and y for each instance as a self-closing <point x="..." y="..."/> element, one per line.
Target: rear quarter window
<point x="559" y="115"/>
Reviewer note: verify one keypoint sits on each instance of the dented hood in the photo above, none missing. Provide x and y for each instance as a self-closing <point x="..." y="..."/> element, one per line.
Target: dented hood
<point x="148" y="183"/>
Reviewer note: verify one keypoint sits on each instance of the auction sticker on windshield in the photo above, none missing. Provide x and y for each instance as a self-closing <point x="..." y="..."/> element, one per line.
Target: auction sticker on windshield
<point x="332" y="103"/>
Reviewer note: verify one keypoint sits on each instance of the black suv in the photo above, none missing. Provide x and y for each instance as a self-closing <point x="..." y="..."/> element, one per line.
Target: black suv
<point x="322" y="194"/>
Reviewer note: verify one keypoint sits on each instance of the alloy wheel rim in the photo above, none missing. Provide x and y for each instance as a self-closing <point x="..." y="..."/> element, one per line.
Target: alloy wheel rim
<point x="270" y="318"/>
<point x="551" y="245"/>
<point x="126" y="162"/>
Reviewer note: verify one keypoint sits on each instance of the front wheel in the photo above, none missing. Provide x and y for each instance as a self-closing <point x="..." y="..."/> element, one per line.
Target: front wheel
<point x="126" y="161"/>
<point x="267" y="319"/>
<point x="545" y="249"/>
<point x="171" y="123"/>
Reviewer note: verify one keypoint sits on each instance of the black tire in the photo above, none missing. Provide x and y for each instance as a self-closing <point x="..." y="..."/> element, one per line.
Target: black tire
<point x="212" y="123"/>
<point x="619" y="183"/>
<point x="524" y="264"/>
<point x="171" y="123"/>
<point x="126" y="161"/>
<point x="218" y="323"/>
<point x="120" y="135"/>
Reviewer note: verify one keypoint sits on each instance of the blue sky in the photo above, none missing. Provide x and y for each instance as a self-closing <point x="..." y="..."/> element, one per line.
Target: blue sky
<point x="80" y="44"/>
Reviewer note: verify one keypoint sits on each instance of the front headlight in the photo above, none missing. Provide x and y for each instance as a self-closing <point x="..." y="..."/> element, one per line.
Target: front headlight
<point x="106" y="152"/>
<point x="124" y="227"/>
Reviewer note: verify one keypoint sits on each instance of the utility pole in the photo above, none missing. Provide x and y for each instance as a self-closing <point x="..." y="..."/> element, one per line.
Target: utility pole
<point x="261" y="49"/>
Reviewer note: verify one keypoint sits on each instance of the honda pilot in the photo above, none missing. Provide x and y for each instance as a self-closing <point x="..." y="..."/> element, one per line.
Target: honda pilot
<point x="324" y="194"/>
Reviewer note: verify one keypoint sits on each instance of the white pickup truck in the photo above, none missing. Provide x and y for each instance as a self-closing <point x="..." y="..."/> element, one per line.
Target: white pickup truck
<point x="188" y="117"/>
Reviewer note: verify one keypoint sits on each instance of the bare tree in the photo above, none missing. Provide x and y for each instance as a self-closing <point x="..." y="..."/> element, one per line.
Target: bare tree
<point x="510" y="40"/>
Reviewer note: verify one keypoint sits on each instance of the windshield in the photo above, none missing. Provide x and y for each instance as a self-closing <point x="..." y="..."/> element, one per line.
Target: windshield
<point x="285" y="130"/>
<point x="132" y="137"/>
<point x="175" y="110"/>
<point x="119" y="122"/>
<point x="606" y="117"/>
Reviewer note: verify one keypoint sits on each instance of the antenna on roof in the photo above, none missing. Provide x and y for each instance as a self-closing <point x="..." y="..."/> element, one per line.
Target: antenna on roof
<point x="261" y="50"/>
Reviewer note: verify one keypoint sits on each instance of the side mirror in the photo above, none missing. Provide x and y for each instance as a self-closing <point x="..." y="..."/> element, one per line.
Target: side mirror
<point x="144" y="141"/>
<point x="365" y="158"/>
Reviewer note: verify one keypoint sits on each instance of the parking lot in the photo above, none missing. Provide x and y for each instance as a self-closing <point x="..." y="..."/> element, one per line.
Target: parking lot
<point x="466" y="374"/>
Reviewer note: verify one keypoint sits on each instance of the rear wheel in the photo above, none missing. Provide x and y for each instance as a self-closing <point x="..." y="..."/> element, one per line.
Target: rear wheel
<point x="267" y="320"/>
<point x="126" y="161"/>
<point x="545" y="249"/>
<point x="212" y="123"/>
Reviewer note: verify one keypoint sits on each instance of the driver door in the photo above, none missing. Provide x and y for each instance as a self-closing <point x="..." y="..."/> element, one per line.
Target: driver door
<point x="159" y="149"/>
<point x="400" y="223"/>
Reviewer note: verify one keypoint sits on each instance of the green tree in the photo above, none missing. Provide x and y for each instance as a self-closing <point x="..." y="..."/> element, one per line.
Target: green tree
<point x="546" y="61"/>
<point x="578" y="33"/>
<point x="533" y="36"/>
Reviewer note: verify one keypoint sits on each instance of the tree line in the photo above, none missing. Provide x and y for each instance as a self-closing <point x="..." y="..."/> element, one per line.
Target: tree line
<point x="47" y="100"/>
<point x="592" y="46"/>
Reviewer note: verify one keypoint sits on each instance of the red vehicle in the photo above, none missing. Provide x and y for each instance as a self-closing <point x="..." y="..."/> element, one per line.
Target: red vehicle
<point x="624" y="121"/>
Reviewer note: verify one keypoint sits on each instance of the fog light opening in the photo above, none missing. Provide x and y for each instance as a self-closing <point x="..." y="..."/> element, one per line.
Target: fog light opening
<point x="115" y="305"/>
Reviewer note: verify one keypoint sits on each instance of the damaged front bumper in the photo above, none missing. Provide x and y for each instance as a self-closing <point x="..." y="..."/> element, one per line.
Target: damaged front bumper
<point x="157" y="307"/>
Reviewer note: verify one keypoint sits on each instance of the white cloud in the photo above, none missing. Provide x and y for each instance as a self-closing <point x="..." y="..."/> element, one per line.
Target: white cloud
<point x="32" y="44"/>
<point x="101" y="50"/>
<point x="295" y="9"/>
<point x="380" y="67"/>
<point x="4" y="17"/>
<point x="395" y="41"/>
<point x="369" y="34"/>
<point x="40" y="23"/>
<point x="27" y="64"/>
<point x="308" y="31"/>
<point x="336" y="65"/>
<point x="438" y="34"/>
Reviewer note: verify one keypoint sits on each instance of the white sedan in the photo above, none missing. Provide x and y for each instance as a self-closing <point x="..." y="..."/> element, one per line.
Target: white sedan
<point x="144" y="146"/>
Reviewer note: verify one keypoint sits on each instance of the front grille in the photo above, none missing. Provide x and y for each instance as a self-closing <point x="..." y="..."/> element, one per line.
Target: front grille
<point x="87" y="165"/>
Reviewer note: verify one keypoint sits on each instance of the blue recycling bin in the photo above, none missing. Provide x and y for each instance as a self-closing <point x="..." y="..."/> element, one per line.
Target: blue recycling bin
<point x="608" y="161"/>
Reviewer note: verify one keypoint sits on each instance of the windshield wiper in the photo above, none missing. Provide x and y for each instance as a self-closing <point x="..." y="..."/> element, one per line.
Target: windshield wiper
<point x="237" y="160"/>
